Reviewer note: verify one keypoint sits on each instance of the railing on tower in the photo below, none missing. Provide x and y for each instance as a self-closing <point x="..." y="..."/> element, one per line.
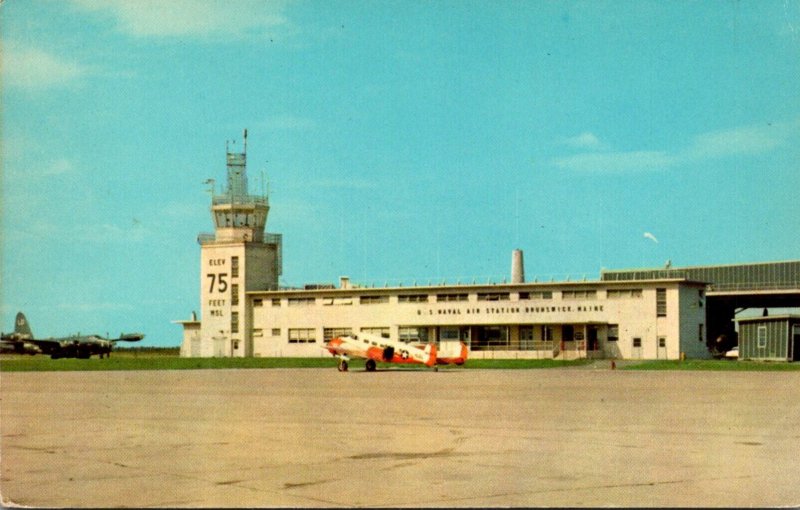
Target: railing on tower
<point x="229" y="199"/>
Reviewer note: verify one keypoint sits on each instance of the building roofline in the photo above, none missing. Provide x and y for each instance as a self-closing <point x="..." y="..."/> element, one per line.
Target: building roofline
<point x="709" y="266"/>
<point x="761" y="318"/>
<point x="589" y="284"/>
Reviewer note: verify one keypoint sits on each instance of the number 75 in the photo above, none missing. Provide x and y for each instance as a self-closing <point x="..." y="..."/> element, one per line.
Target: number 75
<point x="219" y="279"/>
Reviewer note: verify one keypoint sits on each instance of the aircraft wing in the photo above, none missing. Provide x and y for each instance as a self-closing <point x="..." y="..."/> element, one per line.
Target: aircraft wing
<point x="345" y="346"/>
<point x="46" y="346"/>
<point x="129" y="337"/>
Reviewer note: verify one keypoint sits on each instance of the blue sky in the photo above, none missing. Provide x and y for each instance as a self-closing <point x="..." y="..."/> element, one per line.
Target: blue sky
<point x="402" y="140"/>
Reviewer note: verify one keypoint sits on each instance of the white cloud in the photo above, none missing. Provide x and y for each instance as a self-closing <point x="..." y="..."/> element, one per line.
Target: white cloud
<point x="36" y="69"/>
<point x="650" y="236"/>
<point x="736" y="142"/>
<point x="741" y="141"/>
<point x="58" y="167"/>
<point x="584" y="141"/>
<point x="616" y="161"/>
<point x="193" y="18"/>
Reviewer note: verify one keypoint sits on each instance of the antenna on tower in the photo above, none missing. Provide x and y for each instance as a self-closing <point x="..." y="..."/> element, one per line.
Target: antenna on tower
<point x="245" y="140"/>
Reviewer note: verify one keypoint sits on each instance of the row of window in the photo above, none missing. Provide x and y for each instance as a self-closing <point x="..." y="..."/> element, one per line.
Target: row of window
<point x="486" y="336"/>
<point x="482" y="296"/>
<point x="309" y="335"/>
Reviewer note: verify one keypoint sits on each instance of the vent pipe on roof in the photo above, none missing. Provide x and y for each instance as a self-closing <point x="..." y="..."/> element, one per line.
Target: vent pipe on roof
<point x="517" y="267"/>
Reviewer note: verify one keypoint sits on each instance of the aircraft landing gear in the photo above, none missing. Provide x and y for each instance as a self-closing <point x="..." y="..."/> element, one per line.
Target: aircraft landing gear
<point x="342" y="365"/>
<point x="371" y="365"/>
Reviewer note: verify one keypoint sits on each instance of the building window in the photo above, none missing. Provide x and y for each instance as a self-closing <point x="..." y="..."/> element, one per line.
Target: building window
<point x="258" y="303"/>
<point x="234" y="267"/>
<point x="543" y="294"/>
<point x="493" y="296"/>
<point x="381" y="332"/>
<point x="613" y="332"/>
<point x="276" y="301"/>
<point x="762" y="336"/>
<point x="451" y="297"/>
<point x="302" y="301"/>
<point x="489" y="338"/>
<point x="234" y="294"/>
<point x="414" y="335"/>
<point x="276" y="331"/>
<point x="547" y="333"/>
<point x="624" y="293"/>
<point x="700" y="335"/>
<point x="578" y="294"/>
<point x="302" y="336"/>
<point x="337" y="301"/>
<point x="257" y="333"/>
<point x="413" y="298"/>
<point x="374" y="300"/>
<point x="234" y="322"/>
<point x="329" y="334"/>
<point x="637" y="342"/>
<point x="661" y="302"/>
<point x="526" y="338"/>
<point x="662" y="341"/>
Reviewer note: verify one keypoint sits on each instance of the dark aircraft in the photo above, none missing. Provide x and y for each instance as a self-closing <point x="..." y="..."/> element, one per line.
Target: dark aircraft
<point x="21" y="341"/>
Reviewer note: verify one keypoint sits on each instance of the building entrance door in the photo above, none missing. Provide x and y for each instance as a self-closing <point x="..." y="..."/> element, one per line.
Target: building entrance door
<point x="661" y="348"/>
<point x="796" y="342"/>
<point x="219" y="347"/>
<point x="591" y="338"/>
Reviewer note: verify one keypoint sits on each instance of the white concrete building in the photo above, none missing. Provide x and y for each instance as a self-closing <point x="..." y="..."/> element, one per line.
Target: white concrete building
<point x="656" y="319"/>
<point x="245" y="313"/>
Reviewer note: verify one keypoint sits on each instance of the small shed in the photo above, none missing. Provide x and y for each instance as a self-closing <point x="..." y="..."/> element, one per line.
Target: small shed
<point x="770" y="338"/>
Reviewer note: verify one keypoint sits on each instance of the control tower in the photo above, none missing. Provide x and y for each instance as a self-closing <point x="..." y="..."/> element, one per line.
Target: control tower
<point x="237" y="258"/>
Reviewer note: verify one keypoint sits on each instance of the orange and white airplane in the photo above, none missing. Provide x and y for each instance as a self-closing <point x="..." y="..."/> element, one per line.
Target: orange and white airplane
<point x="376" y="348"/>
<point x="455" y="360"/>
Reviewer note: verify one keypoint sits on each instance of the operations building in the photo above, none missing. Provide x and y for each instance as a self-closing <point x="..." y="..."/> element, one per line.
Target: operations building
<point x="244" y="311"/>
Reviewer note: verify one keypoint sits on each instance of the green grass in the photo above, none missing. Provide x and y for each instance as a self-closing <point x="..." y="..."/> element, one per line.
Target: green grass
<point x="128" y="361"/>
<point x="522" y="363"/>
<point x="719" y="365"/>
<point x="161" y="361"/>
<point x="45" y="364"/>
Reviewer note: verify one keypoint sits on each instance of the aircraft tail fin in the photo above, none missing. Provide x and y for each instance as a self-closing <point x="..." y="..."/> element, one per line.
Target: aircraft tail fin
<point x="431" y="350"/>
<point x="21" y="326"/>
<point x="464" y="352"/>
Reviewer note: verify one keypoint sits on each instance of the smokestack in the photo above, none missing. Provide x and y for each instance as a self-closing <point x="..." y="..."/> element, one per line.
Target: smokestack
<point x="517" y="267"/>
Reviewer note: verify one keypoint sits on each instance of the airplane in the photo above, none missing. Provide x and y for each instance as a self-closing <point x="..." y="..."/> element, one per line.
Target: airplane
<point x="454" y="360"/>
<point x="21" y="341"/>
<point x="376" y="348"/>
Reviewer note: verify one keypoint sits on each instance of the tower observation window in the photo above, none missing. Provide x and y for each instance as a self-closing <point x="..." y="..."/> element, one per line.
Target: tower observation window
<point x="234" y="267"/>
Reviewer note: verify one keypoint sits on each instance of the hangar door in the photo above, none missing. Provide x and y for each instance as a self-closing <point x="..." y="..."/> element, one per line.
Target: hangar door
<point x="796" y="342"/>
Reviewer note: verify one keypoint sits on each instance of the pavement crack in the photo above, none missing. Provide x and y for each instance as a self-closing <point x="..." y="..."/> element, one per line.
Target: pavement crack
<point x="289" y="485"/>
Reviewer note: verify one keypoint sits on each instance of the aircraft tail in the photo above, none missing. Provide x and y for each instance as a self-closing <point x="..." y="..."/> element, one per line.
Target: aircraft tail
<point x="21" y="326"/>
<point x="431" y="351"/>
<point x="464" y="352"/>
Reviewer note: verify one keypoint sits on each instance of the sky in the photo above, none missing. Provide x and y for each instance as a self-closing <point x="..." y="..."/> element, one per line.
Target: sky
<point x="399" y="141"/>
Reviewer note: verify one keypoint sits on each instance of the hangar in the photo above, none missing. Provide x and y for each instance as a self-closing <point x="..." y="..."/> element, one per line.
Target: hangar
<point x="628" y="314"/>
<point x="731" y="289"/>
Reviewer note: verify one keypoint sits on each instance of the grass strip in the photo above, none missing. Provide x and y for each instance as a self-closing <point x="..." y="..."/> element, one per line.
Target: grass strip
<point x="715" y="365"/>
<point x="15" y="363"/>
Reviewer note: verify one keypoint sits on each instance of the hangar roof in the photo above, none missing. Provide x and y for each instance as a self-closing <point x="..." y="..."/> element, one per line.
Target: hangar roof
<point x="731" y="277"/>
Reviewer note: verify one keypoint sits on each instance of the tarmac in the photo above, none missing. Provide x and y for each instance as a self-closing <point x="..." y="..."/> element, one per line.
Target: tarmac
<point x="400" y="438"/>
